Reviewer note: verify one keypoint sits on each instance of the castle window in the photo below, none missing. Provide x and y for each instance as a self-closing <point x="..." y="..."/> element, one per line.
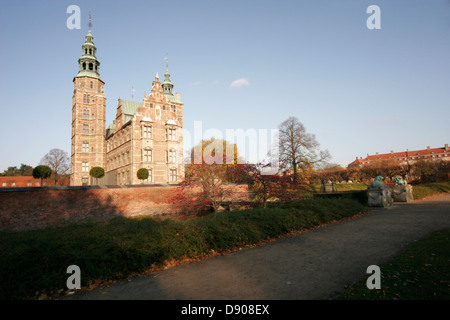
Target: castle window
<point x="85" y="114"/>
<point x="92" y="84"/>
<point x="171" y="134"/>
<point x="85" y="166"/>
<point x="173" y="175"/>
<point x="164" y="107"/>
<point x="174" y="108"/>
<point x="147" y="155"/>
<point x="151" y="105"/>
<point x="172" y="156"/>
<point x="84" y="65"/>
<point x="85" y="147"/>
<point x="147" y="132"/>
<point x="150" y="175"/>
<point x="84" y="181"/>
<point x="91" y="66"/>
<point x="85" y="129"/>
<point x="86" y="98"/>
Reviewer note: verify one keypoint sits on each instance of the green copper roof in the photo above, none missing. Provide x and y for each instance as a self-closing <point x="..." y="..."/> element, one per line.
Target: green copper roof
<point x="88" y="65"/>
<point x="110" y="130"/>
<point x="130" y="107"/>
<point x="167" y="77"/>
<point x="88" y="73"/>
<point x="172" y="98"/>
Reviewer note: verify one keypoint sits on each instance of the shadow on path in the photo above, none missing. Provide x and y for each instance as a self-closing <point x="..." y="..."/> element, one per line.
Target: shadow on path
<point x="315" y="264"/>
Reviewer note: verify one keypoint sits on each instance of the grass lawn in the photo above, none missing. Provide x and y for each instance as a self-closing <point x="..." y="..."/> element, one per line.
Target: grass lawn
<point x="33" y="263"/>
<point x="342" y="187"/>
<point x="430" y="189"/>
<point x="421" y="272"/>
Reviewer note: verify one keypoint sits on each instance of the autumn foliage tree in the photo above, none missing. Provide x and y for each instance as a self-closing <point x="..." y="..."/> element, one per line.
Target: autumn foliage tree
<point x="263" y="186"/>
<point x="425" y="171"/>
<point x="213" y="162"/>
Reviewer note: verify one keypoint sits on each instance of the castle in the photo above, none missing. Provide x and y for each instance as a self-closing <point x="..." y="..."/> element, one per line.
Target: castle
<point x="147" y="134"/>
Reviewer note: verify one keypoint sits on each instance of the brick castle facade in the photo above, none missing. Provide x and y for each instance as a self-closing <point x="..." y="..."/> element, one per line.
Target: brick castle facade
<point x="147" y="134"/>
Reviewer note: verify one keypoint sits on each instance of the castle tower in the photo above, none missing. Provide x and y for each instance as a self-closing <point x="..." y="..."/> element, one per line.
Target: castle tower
<point x="88" y="117"/>
<point x="167" y="84"/>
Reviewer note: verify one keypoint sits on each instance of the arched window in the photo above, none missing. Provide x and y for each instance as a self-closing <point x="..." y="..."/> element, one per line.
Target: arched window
<point x="84" y="65"/>
<point x="91" y="66"/>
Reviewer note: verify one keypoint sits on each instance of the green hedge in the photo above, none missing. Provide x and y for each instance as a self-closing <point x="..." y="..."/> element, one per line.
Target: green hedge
<point x="360" y="195"/>
<point x="31" y="261"/>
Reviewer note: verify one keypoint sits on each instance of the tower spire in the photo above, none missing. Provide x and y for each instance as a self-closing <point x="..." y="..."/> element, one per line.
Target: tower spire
<point x="167" y="84"/>
<point x="167" y="61"/>
<point x="90" y="21"/>
<point x="88" y="64"/>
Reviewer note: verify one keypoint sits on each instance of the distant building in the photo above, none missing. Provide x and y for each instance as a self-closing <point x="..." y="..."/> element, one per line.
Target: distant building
<point x="404" y="157"/>
<point x="29" y="181"/>
<point x="146" y="134"/>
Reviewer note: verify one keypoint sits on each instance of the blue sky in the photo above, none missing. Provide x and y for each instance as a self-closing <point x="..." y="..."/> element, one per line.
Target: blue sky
<point x="359" y="90"/>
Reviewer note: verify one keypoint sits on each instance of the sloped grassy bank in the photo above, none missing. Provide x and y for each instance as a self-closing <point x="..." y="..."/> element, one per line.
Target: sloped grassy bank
<point x="420" y="272"/>
<point x="33" y="262"/>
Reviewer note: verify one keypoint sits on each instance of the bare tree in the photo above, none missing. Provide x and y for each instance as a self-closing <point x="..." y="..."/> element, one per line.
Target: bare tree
<point x="299" y="150"/>
<point x="58" y="161"/>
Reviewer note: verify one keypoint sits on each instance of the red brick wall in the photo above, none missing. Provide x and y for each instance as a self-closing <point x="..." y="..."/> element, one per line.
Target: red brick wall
<point x="24" y="181"/>
<point x="21" y="210"/>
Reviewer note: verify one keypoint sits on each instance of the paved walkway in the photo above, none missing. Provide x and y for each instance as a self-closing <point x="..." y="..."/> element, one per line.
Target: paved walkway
<point x="315" y="265"/>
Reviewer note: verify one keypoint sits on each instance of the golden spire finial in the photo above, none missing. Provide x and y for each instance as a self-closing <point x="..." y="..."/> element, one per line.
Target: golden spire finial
<point x="90" y="19"/>
<point x="167" y="61"/>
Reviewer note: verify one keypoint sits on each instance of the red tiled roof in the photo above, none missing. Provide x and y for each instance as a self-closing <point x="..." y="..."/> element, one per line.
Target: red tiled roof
<point x="24" y="181"/>
<point x="401" y="155"/>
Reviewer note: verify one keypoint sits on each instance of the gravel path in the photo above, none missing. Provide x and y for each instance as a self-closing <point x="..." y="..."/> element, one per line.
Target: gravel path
<point x="313" y="265"/>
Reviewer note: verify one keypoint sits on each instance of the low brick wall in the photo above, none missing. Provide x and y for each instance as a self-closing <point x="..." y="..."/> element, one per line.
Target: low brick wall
<point x="34" y="208"/>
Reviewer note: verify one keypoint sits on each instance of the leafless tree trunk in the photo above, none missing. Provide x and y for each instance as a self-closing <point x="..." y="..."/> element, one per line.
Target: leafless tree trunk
<point x="299" y="150"/>
<point x="58" y="161"/>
